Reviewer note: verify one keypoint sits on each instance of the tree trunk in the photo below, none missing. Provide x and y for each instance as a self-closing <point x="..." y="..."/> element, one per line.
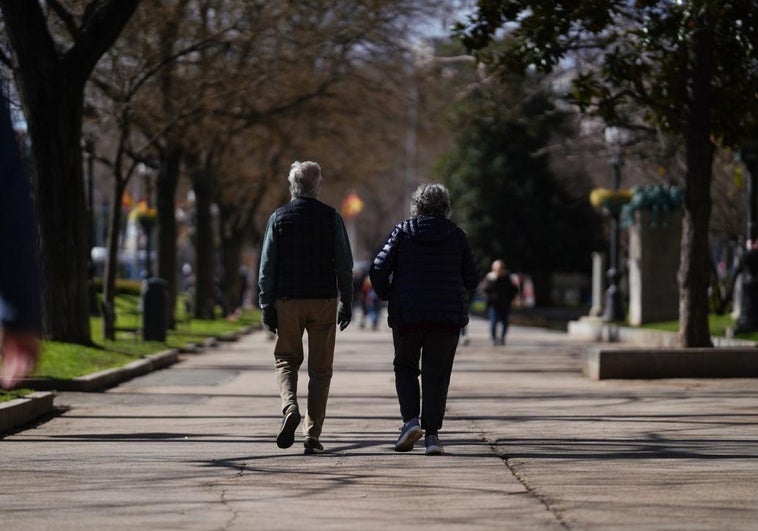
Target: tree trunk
<point x="111" y="262"/>
<point x="55" y="130"/>
<point x="694" y="268"/>
<point x="168" y="173"/>
<point x="543" y="297"/>
<point x="204" y="247"/>
<point x="231" y="256"/>
<point x="51" y="83"/>
<point x="168" y="178"/>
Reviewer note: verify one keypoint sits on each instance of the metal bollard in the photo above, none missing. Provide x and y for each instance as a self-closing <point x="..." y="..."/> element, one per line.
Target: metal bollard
<point x="154" y="300"/>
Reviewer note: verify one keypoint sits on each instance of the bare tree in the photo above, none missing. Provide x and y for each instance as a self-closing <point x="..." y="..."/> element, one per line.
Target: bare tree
<point x="54" y="52"/>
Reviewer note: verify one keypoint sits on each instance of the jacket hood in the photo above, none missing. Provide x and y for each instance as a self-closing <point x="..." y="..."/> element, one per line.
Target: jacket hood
<point x="428" y="228"/>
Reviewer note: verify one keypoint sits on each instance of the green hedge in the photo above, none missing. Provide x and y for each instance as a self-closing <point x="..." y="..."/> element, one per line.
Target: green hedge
<point x="123" y="286"/>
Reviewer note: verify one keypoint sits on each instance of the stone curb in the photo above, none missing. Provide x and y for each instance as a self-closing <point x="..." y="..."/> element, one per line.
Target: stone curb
<point x="21" y="411"/>
<point x="107" y="378"/>
<point x="195" y="347"/>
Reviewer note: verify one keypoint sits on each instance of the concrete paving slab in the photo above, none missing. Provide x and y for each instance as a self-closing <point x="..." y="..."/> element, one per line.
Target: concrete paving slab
<point x="531" y="444"/>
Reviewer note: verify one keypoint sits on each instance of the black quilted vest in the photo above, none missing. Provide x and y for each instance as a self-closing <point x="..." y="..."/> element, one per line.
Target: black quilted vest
<point x="305" y="233"/>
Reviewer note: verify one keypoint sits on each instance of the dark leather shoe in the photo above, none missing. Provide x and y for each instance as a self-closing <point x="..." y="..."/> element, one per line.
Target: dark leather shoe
<point x="286" y="436"/>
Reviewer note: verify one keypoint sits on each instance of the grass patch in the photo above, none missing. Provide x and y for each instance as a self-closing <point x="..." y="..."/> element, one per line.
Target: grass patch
<point x="217" y="327"/>
<point x="7" y="396"/>
<point x="478" y="307"/>
<point x="66" y="361"/>
<point x="717" y="325"/>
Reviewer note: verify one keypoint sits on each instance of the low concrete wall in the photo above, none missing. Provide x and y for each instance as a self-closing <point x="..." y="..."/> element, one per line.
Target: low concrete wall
<point x="647" y="363"/>
<point x="20" y="411"/>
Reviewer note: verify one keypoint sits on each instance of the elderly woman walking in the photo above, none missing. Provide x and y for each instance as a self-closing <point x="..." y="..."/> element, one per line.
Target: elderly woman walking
<point x="426" y="271"/>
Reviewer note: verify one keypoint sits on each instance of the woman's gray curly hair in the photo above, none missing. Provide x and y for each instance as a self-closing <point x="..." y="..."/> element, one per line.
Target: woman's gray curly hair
<point x="430" y="200"/>
<point x="305" y="179"/>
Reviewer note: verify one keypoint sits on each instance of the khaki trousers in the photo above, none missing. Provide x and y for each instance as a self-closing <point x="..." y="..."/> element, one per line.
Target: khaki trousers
<point x="319" y="318"/>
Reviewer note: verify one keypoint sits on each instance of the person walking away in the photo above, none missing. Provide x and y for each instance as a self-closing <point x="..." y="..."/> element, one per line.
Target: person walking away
<point x="372" y="304"/>
<point x="306" y="268"/>
<point x="426" y="271"/>
<point x="499" y="291"/>
<point x="359" y="277"/>
<point x="20" y="292"/>
<point x="242" y="293"/>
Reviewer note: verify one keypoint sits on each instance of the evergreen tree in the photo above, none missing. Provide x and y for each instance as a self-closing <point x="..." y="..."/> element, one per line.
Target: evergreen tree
<point x="505" y="194"/>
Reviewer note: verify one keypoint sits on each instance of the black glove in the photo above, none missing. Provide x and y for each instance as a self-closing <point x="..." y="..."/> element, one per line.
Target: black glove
<point x="344" y="315"/>
<point x="268" y="316"/>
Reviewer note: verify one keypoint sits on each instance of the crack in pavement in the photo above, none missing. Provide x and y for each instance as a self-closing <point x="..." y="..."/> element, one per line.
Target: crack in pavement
<point x="520" y="478"/>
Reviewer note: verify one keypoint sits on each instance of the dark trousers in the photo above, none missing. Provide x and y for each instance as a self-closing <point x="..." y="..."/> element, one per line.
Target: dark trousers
<point x="498" y="316"/>
<point x="435" y="349"/>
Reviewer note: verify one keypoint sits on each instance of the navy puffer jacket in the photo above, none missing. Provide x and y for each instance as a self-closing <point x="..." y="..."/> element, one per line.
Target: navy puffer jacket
<point x="426" y="271"/>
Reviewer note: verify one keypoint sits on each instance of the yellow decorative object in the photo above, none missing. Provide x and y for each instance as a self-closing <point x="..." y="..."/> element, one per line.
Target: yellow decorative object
<point x="143" y="212"/>
<point x="145" y="215"/>
<point x="352" y="205"/>
<point x="609" y="200"/>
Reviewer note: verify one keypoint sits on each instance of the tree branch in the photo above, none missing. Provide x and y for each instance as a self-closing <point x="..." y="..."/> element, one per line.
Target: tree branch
<point x="66" y="18"/>
<point x="101" y="25"/>
<point x="31" y="41"/>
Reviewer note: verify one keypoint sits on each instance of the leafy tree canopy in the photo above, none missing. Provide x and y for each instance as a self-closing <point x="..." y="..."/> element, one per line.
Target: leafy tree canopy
<point x="631" y="53"/>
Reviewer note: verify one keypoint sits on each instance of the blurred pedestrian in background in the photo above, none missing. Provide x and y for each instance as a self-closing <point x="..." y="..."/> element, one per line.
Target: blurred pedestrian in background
<point x="371" y="303"/>
<point x="306" y="262"/>
<point x="499" y="291"/>
<point x="20" y="297"/>
<point x="426" y="271"/>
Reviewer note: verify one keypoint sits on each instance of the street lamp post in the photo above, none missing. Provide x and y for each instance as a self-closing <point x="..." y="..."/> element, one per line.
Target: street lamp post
<point x="89" y="148"/>
<point x="614" y="309"/>
<point x="748" y="318"/>
<point x="147" y="221"/>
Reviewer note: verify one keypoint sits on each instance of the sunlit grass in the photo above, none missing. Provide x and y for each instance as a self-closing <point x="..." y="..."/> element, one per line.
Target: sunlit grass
<point x="66" y="360"/>
<point x="7" y="396"/>
<point x="717" y="324"/>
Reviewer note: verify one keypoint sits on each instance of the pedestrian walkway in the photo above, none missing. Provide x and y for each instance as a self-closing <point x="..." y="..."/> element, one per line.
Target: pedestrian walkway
<point x="530" y="442"/>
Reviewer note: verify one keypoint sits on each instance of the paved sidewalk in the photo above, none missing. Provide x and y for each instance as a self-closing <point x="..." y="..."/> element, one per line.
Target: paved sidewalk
<point x="531" y="444"/>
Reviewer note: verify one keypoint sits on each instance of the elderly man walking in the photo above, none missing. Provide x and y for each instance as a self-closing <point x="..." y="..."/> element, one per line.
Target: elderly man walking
<point x="306" y="268"/>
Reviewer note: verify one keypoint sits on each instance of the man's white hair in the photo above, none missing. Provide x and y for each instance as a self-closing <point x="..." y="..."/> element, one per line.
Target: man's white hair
<point x="305" y="179"/>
